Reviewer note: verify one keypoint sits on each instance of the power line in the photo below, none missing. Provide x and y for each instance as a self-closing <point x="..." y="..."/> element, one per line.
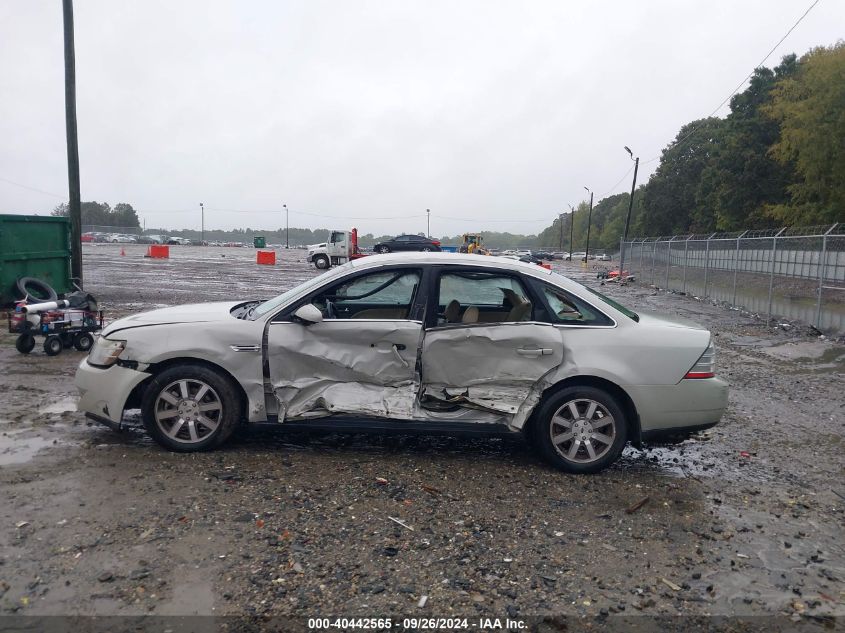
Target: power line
<point x="619" y="182"/>
<point x="747" y="77"/>
<point x="446" y="217"/>
<point x="46" y="193"/>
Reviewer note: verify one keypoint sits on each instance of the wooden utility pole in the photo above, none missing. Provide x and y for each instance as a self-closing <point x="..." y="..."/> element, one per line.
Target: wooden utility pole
<point x="74" y="200"/>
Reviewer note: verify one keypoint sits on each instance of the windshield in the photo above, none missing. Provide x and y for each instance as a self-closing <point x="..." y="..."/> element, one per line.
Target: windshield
<point x="276" y="302"/>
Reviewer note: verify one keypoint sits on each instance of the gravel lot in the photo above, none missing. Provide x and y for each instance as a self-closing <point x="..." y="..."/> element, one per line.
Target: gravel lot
<point x="746" y="520"/>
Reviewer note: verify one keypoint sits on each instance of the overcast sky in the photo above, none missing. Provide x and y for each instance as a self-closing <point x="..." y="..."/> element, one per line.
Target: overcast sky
<point x="492" y="114"/>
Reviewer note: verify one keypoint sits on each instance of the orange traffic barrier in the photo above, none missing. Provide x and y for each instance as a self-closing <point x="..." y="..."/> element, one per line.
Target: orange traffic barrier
<point x="546" y="265"/>
<point x="265" y="257"/>
<point x="158" y="251"/>
<point x="122" y="252"/>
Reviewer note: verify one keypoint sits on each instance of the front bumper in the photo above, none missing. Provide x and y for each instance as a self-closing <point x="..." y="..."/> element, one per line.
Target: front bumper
<point x="692" y="404"/>
<point x="103" y="392"/>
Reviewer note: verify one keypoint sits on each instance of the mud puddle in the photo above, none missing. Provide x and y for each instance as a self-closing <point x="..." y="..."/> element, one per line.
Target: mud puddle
<point x="15" y="448"/>
<point x="65" y="405"/>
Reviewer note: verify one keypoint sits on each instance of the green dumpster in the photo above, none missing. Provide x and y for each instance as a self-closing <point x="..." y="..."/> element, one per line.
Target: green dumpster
<point x="259" y="242"/>
<point x="33" y="246"/>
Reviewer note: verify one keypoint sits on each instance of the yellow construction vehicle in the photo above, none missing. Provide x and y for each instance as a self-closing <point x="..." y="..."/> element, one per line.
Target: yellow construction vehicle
<point x="473" y="244"/>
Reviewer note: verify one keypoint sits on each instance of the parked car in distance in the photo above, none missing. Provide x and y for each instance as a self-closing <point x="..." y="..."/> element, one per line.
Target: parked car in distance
<point x="425" y="342"/>
<point x="178" y="241"/>
<point x="87" y="237"/>
<point x="602" y="257"/>
<point x="407" y="243"/>
<point x="122" y="238"/>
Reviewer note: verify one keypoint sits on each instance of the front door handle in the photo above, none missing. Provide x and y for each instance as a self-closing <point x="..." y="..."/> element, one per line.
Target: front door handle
<point x="534" y="352"/>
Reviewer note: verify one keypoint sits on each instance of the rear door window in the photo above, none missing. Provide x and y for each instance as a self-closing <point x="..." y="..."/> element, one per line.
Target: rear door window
<point x="481" y="297"/>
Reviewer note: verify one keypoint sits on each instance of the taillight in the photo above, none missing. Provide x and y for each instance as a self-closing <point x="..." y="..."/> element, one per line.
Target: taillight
<point x="435" y="242"/>
<point x="705" y="366"/>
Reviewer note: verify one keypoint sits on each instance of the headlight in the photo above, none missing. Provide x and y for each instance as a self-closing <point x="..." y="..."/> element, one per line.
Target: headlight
<point x="105" y="352"/>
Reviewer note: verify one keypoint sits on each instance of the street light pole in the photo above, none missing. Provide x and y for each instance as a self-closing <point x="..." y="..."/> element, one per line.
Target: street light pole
<point x="628" y="218"/>
<point x="560" y="219"/>
<point x="202" y="225"/>
<point x="571" y="229"/>
<point x="428" y="222"/>
<point x="287" y="227"/>
<point x="589" y="224"/>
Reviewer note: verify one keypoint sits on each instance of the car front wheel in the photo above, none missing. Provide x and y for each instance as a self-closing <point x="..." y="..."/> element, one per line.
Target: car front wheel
<point x="321" y="262"/>
<point x="382" y="249"/>
<point x="189" y="408"/>
<point x="580" y="429"/>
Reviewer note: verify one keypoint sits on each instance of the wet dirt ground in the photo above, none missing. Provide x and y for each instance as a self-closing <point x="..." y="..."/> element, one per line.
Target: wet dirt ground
<point x="745" y="520"/>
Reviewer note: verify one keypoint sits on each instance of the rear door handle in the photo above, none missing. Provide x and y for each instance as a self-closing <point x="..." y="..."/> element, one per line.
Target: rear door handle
<point x="534" y="352"/>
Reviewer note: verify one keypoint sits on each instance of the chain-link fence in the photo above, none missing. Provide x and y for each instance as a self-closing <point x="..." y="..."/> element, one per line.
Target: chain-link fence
<point x="793" y="273"/>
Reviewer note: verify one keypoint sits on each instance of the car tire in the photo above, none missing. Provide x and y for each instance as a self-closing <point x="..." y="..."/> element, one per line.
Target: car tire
<point x="83" y="342"/>
<point x="426" y="249"/>
<point x="193" y="428"/>
<point x="25" y="343"/>
<point x="598" y="432"/>
<point x="36" y="289"/>
<point x="382" y="249"/>
<point x="53" y="345"/>
<point x="321" y="262"/>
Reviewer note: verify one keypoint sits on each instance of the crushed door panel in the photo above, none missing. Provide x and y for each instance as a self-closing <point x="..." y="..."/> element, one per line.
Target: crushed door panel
<point x="344" y="366"/>
<point x="488" y="366"/>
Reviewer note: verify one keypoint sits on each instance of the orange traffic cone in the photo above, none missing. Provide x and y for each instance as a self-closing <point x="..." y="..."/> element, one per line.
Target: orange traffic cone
<point x="122" y="252"/>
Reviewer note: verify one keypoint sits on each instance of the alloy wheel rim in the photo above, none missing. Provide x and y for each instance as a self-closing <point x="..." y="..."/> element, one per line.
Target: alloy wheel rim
<point x="582" y="430"/>
<point x="188" y="410"/>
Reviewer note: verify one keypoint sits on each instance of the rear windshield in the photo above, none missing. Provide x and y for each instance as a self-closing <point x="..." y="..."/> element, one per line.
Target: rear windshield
<point x="618" y="306"/>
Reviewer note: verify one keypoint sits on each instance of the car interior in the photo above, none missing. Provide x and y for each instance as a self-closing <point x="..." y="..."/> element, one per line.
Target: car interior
<point x="480" y="297"/>
<point x="381" y="295"/>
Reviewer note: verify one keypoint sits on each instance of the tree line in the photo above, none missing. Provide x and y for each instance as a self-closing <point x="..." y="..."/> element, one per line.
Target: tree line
<point x="777" y="159"/>
<point x="101" y="214"/>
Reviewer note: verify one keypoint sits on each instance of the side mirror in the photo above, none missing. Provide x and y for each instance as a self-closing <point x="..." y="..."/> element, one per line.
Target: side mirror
<point x="308" y="314"/>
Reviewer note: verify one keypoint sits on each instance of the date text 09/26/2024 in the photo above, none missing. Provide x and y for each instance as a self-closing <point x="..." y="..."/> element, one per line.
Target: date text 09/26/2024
<point x="447" y="624"/>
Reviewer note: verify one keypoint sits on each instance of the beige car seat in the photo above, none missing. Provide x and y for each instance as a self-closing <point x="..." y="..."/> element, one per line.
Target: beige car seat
<point x="470" y="315"/>
<point x="521" y="311"/>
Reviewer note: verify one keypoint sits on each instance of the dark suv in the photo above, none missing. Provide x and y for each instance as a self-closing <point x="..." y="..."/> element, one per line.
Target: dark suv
<point x="407" y="243"/>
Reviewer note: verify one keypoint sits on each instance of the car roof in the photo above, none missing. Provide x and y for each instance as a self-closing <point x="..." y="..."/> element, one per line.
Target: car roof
<point x="445" y="259"/>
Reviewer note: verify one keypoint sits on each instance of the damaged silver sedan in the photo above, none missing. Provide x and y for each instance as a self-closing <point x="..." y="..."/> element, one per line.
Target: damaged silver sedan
<point x="422" y="342"/>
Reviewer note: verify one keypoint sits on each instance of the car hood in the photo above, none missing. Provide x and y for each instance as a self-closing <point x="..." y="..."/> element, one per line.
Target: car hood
<point x="189" y="313"/>
<point x="652" y="318"/>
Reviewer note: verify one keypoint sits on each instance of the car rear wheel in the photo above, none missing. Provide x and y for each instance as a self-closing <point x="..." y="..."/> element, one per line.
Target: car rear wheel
<point x="189" y="408"/>
<point x="426" y="249"/>
<point x="580" y="429"/>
